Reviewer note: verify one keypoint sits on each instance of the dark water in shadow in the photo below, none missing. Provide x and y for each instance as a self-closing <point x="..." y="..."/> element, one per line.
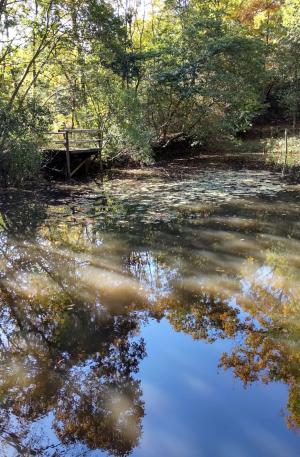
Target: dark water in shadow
<point x="151" y="316"/>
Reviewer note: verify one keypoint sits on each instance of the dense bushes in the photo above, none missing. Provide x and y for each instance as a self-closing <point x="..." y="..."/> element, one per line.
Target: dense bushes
<point x="21" y="131"/>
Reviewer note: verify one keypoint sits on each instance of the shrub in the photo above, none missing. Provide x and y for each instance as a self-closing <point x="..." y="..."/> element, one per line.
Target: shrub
<point x="21" y="161"/>
<point x="20" y="132"/>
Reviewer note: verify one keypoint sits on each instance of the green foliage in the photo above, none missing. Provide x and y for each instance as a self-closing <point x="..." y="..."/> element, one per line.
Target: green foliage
<point x="20" y="131"/>
<point x="208" y="75"/>
<point x="287" y="88"/>
<point x="128" y="133"/>
<point x="22" y="161"/>
<point x="196" y="69"/>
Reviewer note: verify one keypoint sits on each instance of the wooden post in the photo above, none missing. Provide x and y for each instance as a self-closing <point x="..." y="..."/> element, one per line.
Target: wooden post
<point x="286" y="152"/>
<point x="86" y="168"/>
<point x="100" y="142"/>
<point x="101" y="163"/>
<point x="67" y="144"/>
<point x="286" y="146"/>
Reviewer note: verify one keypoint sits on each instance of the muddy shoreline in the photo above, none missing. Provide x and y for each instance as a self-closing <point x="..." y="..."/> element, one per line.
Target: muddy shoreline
<point x="170" y="167"/>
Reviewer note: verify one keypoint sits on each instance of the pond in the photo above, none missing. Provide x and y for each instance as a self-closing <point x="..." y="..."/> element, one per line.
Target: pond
<point x="151" y="315"/>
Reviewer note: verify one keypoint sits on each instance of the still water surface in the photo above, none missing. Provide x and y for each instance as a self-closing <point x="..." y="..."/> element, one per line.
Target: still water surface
<point x="151" y="316"/>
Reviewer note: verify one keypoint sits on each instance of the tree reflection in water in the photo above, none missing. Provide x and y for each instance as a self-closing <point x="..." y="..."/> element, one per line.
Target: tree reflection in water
<point x="60" y="354"/>
<point x="270" y="347"/>
<point x="72" y="306"/>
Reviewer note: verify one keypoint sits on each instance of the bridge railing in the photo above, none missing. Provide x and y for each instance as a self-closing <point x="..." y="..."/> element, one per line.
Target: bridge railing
<point x="68" y="141"/>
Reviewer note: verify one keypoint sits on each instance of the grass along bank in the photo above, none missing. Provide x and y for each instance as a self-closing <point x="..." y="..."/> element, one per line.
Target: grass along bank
<point x="276" y="148"/>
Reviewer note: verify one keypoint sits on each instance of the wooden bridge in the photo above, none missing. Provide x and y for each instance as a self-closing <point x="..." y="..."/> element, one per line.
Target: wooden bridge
<point x="68" y="151"/>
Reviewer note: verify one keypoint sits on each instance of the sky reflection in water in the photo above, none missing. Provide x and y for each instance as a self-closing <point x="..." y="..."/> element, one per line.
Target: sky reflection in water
<point x="133" y="315"/>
